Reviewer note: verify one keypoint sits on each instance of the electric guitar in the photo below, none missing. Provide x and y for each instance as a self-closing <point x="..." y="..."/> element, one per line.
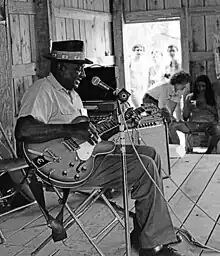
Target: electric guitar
<point x="68" y="162"/>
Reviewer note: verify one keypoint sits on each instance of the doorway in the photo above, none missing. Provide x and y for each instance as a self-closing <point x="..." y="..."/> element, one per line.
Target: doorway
<point x="155" y="37"/>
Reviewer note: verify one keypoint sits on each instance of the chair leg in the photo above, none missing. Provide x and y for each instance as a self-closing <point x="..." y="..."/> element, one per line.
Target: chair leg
<point x="76" y="219"/>
<point x="2" y="238"/>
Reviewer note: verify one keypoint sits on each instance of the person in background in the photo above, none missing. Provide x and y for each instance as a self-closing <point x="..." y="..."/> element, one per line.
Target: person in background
<point x="168" y="95"/>
<point x="200" y="114"/>
<point x="172" y="67"/>
<point x="47" y="110"/>
<point x="138" y="71"/>
<point x="156" y="70"/>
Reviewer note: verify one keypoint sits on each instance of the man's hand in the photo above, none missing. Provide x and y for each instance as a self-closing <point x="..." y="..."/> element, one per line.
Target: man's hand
<point x="86" y="131"/>
<point x="200" y="104"/>
<point x="94" y="137"/>
<point x="172" y="119"/>
<point x="166" y="114"/>
<point x="132" y="118"/>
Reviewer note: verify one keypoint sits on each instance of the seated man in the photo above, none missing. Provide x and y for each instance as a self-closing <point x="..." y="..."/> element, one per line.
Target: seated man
<point x="47" y="109"/>
<point x="168" y="95"/>
<point x="200" y="113"/>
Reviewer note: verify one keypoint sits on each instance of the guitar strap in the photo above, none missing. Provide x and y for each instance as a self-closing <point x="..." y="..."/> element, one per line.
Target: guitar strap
<point x="56" y="224"/>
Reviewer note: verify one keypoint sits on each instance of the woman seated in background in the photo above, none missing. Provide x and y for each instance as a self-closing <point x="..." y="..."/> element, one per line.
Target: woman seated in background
<point x="166" y="96"/>
<point x="200" y="113"/>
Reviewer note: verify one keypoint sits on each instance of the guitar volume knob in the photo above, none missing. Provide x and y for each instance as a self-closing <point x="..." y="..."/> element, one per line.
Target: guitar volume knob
<point x="76" y="177"/>
<point x="71" y="164"/>
<point x="84" y="168"/>
<point x="64" y="172"/>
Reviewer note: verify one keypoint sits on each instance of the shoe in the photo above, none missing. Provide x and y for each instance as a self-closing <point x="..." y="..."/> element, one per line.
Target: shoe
<point x="135" y="245"/>
<point x="164" y="251"/>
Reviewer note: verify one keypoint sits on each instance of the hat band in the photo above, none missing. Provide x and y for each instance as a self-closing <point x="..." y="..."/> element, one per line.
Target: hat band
<point x="63" y="55"/>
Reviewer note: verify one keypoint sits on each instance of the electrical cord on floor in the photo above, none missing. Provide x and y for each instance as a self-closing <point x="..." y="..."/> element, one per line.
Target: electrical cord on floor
<point x="183" y="230"/>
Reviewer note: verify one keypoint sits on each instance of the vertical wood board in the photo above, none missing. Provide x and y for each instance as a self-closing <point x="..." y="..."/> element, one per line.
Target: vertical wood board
<point x="155" y="4"/>
<point x="212" y="27"/>
<point x="118" y="27"/>
<point x="126" y="5"/>
<point x="60" y="29"/>
<point x="212" y="3"/>
<point x="138" y="5"/>
<point x="15" y="39"/>
<point x="198" y="33"/>
<point x="172" y="4"/>
<point x="195" y="3"/>
<point x="69" y="29"/>
<point x="25" y="38"/>
<point x="98" y="5"/>
<point x="106" y="5"/>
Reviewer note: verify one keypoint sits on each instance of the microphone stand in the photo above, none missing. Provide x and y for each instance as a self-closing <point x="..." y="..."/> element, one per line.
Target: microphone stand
<point x="122" y="96"/>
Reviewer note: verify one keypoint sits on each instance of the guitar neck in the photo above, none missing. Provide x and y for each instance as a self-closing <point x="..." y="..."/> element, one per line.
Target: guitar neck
<point x="106" y="126"/>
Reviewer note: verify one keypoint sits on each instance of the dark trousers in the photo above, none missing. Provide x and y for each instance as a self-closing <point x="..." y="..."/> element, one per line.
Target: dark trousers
<point x="210" y="129"/>
<point x="152" y="221"/>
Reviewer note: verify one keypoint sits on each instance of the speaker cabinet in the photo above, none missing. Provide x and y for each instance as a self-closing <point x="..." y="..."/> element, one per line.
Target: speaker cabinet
<point x="155" y="136"/>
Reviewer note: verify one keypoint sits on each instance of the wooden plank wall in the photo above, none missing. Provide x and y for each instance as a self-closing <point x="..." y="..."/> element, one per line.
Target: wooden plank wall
<point x="90" y="21"/>
<point x="203" y="18"/>
<point x="6" y="113"/>
<point x="23" y="47"/>
<point x="27" y="40"/>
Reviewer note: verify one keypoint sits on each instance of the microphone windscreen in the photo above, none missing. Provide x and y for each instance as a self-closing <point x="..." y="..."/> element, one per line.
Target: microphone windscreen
<point x="96" y="80"/>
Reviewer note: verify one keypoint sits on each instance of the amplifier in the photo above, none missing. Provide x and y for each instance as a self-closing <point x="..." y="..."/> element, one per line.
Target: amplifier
<point x="100" y="105"/>
<point x="99" y="110"/>
<point x="156" y="136"/>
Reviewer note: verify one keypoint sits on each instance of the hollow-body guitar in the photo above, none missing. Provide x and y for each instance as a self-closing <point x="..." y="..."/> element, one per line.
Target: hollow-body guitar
<point x="68" y="162"/>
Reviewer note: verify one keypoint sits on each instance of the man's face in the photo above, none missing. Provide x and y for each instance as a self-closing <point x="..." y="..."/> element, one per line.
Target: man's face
<point x="172" y="52"/>
<point x="72" y="74"/>
<point x="201" y="86"/>
<point x="180" y="87"/>
<point x="139" y="50"/>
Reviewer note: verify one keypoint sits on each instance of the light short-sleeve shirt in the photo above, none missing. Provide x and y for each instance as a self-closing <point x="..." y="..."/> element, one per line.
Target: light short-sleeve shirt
<point x="47" y="101"/>
<point x="165" y="92"/>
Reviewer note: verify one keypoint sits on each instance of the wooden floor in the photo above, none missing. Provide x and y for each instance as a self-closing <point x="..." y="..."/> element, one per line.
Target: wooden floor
<point x="199" y="178"/>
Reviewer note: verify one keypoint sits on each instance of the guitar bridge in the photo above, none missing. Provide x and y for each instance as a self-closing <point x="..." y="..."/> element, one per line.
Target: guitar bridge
<point x="55" y="158"/>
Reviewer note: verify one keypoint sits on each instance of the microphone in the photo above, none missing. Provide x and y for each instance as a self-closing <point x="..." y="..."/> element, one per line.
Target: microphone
<point x="98" y="82"/>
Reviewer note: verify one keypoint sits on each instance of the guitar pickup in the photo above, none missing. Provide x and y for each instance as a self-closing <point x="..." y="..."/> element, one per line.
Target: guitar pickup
<point x="71" y="144"/>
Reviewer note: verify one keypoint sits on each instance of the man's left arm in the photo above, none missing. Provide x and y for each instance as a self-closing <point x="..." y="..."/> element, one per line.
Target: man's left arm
<point x="171" y="106"/>
<point x="178" y="111"/>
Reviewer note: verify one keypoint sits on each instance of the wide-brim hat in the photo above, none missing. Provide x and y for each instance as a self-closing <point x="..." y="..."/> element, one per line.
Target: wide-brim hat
<point x="68" y="51"/>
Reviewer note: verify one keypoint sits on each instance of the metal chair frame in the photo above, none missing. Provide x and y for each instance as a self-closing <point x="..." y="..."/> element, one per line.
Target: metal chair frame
<point x="75" y="214"/>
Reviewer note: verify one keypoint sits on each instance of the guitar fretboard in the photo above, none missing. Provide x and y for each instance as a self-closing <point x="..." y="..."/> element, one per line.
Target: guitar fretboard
<point x="108" y="125"/>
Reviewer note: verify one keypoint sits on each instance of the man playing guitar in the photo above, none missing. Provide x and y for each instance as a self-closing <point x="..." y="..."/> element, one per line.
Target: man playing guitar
<point x="46" y="114"/>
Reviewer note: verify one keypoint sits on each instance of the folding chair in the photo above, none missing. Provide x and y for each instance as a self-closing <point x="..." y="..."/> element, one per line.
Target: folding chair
<point x="14" y="164"/>
<point x="10" y="165"/>
<point x="196" y="139"/>
<point x="92" y="195"/>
